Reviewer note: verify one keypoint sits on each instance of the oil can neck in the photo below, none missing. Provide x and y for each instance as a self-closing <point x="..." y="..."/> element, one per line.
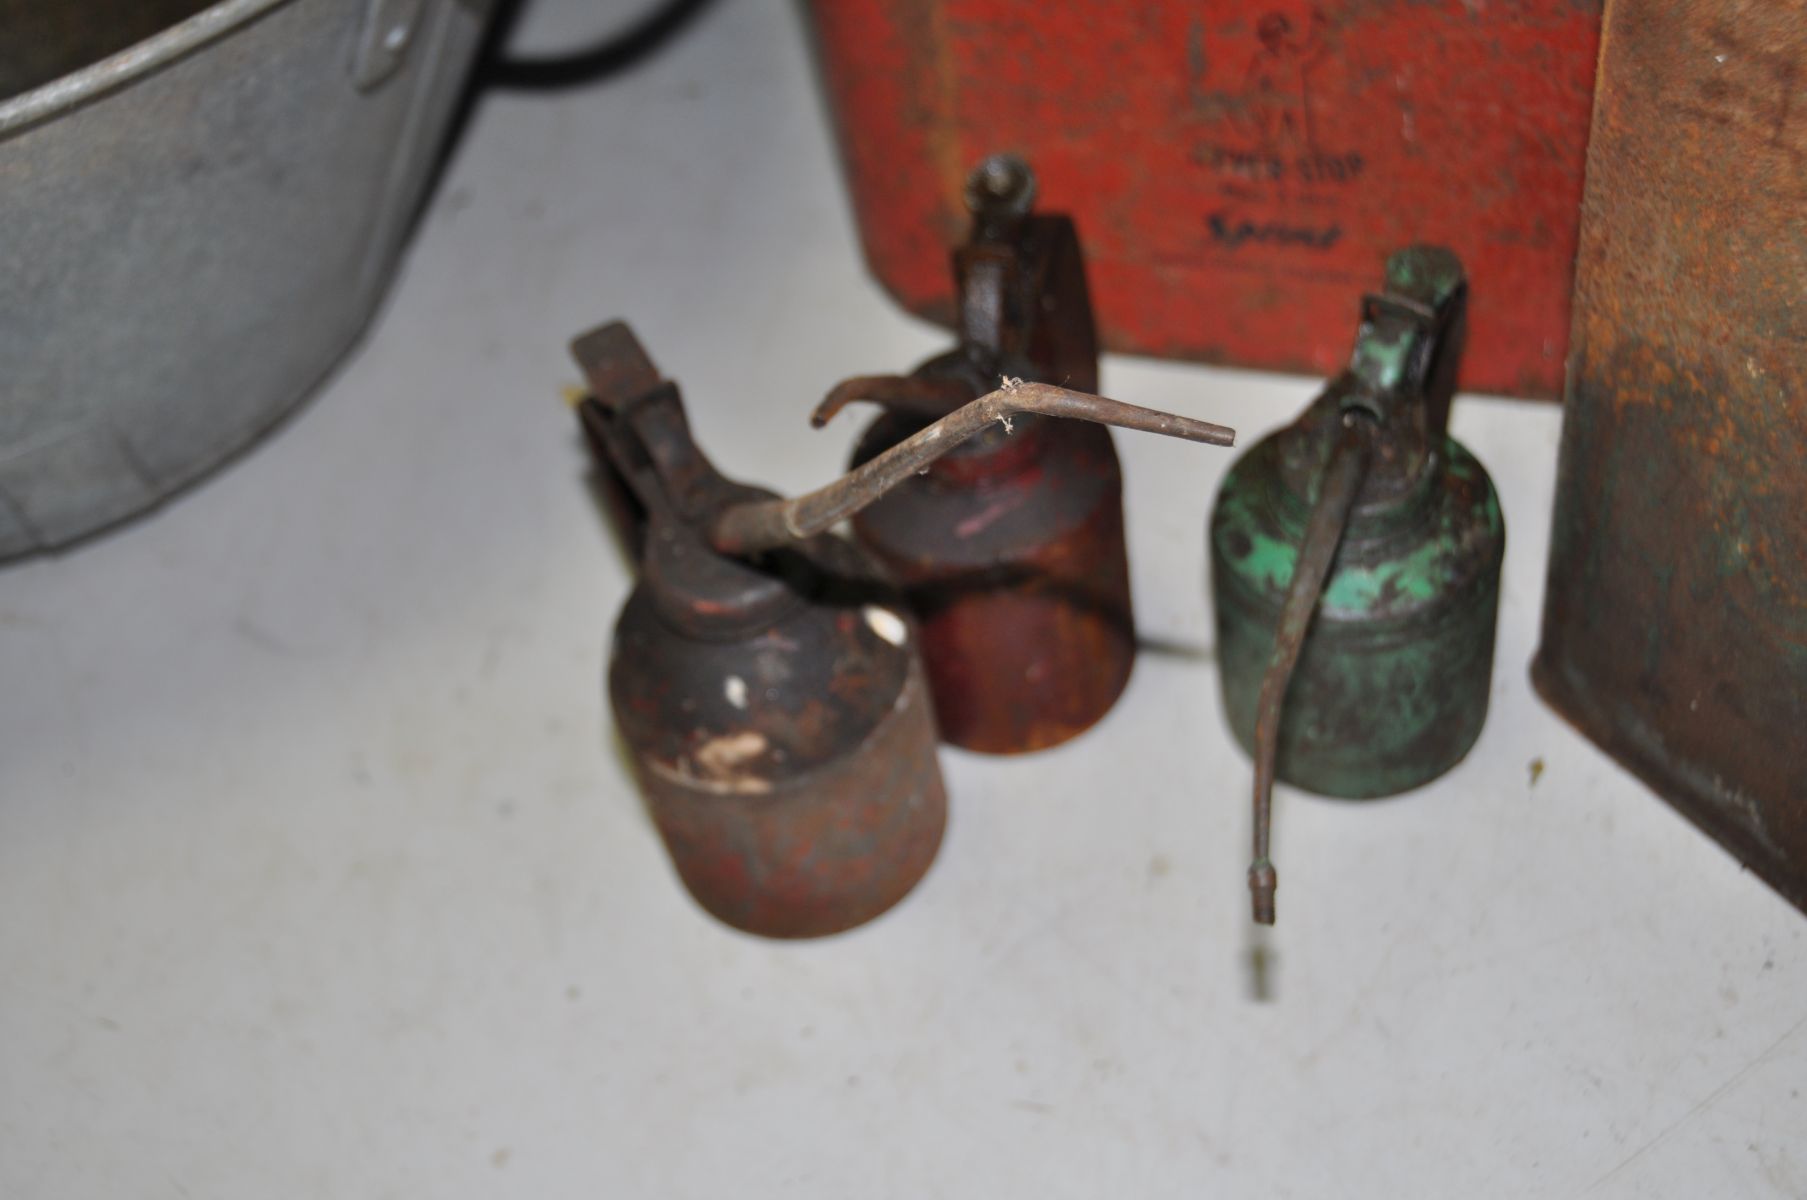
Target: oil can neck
<point x="1396" y="389"/>
<point x="704" y="594"/>
<point x="1401" y="461"/>
<point x="999" y="452"/>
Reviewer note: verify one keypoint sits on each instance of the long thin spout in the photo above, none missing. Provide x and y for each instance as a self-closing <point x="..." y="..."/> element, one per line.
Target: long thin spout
<point x="1340" y="484"/>
<point x="768" y="524"/>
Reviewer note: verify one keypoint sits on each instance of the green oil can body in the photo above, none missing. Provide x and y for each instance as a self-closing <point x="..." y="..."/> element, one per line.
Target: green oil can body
<point x="1392" y="683"/>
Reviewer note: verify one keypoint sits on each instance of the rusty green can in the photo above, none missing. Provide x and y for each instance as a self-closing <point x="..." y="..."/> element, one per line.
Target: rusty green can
<point x="1391" y="684"/>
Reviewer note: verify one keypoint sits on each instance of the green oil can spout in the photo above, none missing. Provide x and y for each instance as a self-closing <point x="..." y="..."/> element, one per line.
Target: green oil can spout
<point x="1342" y="480"/>
<point x="1374" y="431"/>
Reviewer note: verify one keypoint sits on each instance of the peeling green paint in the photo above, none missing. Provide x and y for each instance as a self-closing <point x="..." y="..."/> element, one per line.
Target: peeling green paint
<point x="1427" y="274"/>
<point x="1392" y="685"/>
<point x="1380" y="362"/>
<point x="1394" y="672"/>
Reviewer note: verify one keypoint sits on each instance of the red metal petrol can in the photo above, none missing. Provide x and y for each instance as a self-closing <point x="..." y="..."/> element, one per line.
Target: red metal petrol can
<point x="1236" y="169"/>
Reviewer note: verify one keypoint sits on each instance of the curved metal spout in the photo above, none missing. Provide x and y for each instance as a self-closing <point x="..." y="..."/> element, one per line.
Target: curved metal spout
<point x="1337" y="489"/>
<point x="766" y="525"/>
<point x="914" y="394"/>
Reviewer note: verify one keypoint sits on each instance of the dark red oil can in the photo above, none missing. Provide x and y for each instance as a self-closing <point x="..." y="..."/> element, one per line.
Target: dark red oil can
<point x="1010" y="549"/>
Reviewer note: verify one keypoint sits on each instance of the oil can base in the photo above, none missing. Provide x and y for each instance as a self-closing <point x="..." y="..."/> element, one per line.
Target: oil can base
<point x="1365" y="780"/>
<point x="1013" y="672"/>
<point x="819" y="853"/>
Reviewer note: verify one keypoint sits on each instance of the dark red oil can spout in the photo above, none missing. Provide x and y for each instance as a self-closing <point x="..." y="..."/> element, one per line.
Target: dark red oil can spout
<point x="925" y="396"/>
<point x="767" y="524"/>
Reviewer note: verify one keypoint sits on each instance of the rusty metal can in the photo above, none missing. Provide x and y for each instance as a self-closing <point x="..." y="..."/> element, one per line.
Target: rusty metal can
<point x="1010" y="549"/>
<point x="781" y="733"/>
<point x="1234" y="164"/>
<point x="1675" y="619"/>
<point x="1011" y="556"/>
<point x="1391" y="684"/>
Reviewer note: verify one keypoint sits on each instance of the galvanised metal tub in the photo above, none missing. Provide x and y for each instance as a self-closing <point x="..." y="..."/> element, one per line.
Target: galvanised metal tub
<point x="199" y="209"/>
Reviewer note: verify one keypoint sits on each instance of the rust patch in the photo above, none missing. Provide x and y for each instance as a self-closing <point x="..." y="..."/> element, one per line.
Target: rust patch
<point x="1675" y="624"/>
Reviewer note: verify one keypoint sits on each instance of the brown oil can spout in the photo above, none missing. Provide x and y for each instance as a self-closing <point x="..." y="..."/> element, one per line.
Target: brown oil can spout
<point x="925" y="396"/>
<point x="765" y="525"/>
<point x="637" y="420"/>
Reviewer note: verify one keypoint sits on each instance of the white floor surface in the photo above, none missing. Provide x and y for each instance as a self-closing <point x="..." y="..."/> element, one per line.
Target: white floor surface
<point x="320" y="875"/>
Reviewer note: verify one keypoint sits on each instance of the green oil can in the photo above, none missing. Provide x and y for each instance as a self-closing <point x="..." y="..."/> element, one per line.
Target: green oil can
<point x="1355" y="568"/>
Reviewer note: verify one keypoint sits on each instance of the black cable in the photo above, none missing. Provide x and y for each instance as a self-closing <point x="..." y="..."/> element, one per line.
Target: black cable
<point x="615" y="53"/>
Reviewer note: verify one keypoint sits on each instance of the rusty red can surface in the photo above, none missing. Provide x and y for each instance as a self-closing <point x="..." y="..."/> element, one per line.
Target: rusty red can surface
<point x="1675" y="622"/>
<point x="770" y="697"/>
<point x="783" y="740"/>
<point x="1010" y="553"/>
<point x="1236" y="169"/>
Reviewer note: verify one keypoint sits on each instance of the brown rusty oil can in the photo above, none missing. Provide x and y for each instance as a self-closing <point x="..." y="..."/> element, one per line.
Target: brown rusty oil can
<point x="1010" y="548"/>
<point x="781" y="735"/>
<point x="773" y="708"/>
<point x="1675" y="621"/>
<point x="1012" y="559"/>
